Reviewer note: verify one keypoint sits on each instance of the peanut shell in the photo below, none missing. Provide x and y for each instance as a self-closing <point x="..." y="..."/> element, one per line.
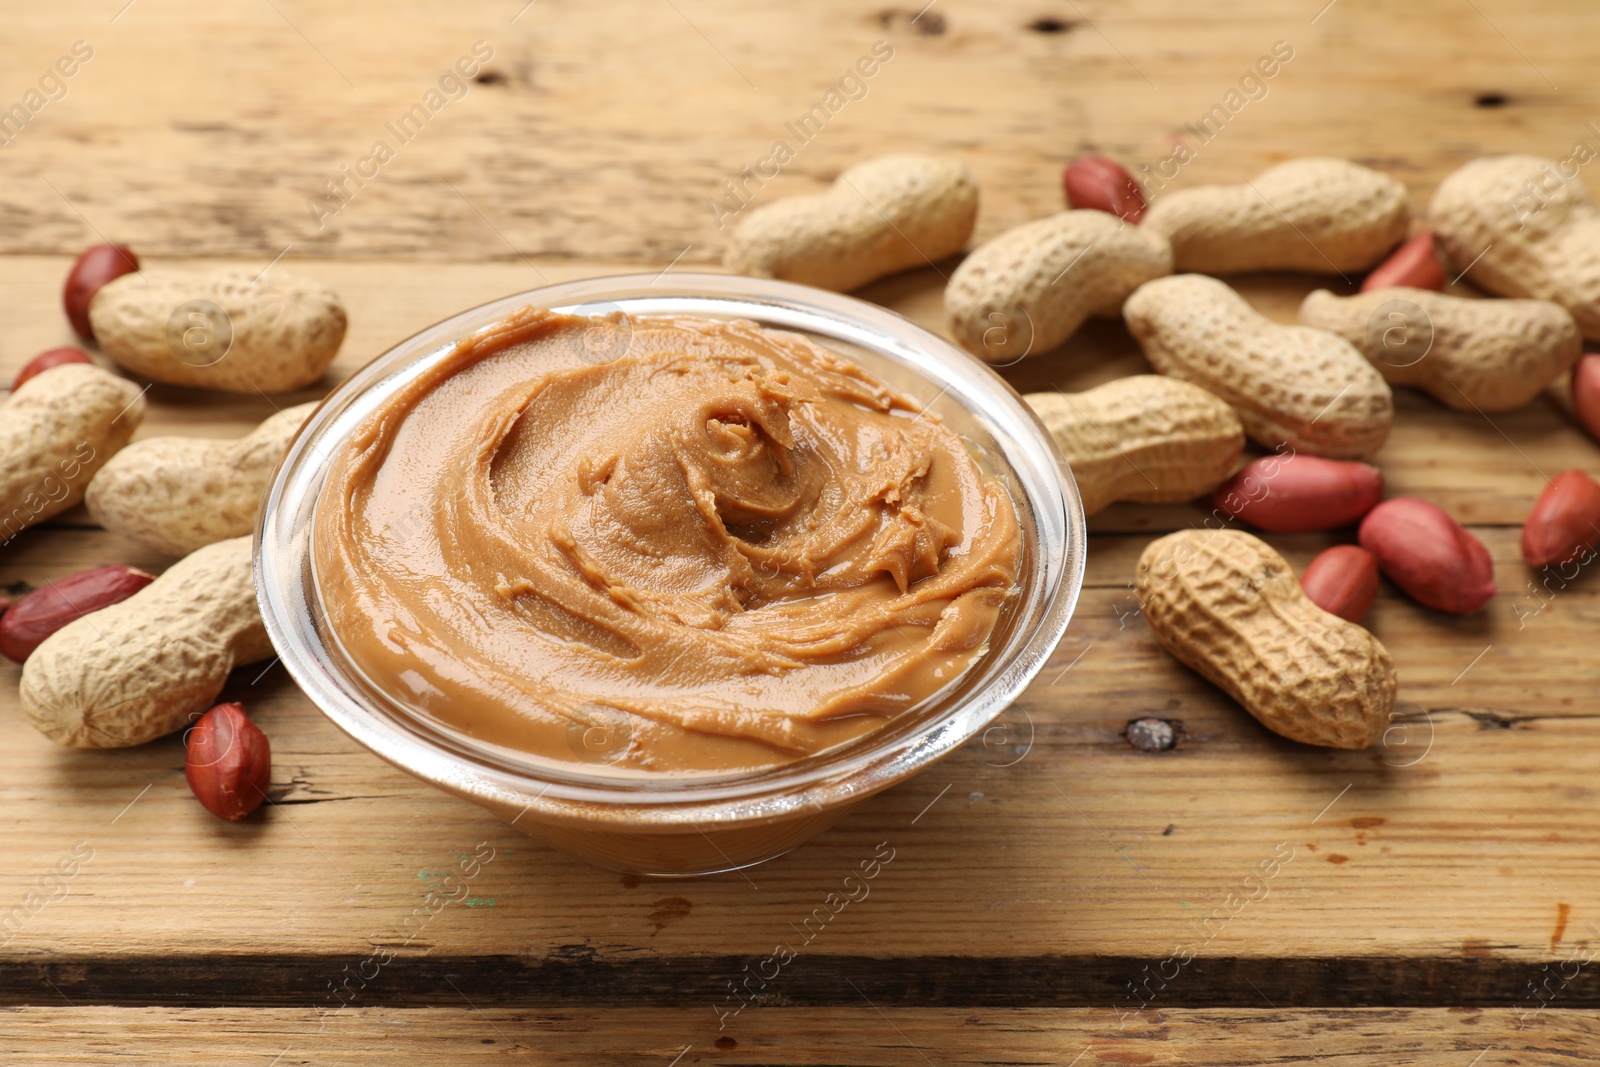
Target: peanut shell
<point x="1520" y="228"/>
<point x="56" y="430"/>
<point x="176" y="494"/>
<point x="1291" y="385"/>
<point x="140" y="669"/>
<point x="880" y="217"/>
<point x="1148" y="438"/>
<point x="1471" y="355"/>
<point x="1029" y="289"/>
<point x="1228" y="606"/>
<point x="224" y="330"/>
<point x="1321" y="216"/>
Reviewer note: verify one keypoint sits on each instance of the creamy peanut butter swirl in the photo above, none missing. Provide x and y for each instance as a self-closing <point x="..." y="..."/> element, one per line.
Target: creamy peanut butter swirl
<point x="725" y="548"/>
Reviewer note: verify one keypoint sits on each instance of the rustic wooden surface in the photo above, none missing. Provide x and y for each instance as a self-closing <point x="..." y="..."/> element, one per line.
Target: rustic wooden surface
<point x="1439" y="906"/>
<point x="900" y="1037"/>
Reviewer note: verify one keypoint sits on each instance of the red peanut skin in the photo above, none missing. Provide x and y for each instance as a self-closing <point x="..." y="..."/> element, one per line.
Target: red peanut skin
<point x="97" y="265"/>
<point x="51" y="357"/>
<point x="1297" y="494"/>
<point x="1564" y="523"/>
<point x="1343" y="581"/>
<point x="37" y="615"/>
<point x="1429" y="555"/>
<point x="1414" y="264"/>
<point x="1586" y="392"/>
<point x="1096" y="183"/>
<point x="228" y="762"/>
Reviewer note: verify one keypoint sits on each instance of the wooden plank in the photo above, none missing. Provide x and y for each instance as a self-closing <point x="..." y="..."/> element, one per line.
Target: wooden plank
<point x="1050" y="838"/>
<point x="195" y="131"/>
<point x="892" y="1037"/>
<point x="1079" y="819"/>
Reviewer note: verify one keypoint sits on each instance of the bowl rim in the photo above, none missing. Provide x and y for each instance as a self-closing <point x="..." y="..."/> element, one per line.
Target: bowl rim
<point x="640" y="804"/>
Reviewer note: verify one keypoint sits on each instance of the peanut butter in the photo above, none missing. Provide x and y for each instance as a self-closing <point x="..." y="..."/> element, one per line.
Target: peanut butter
<point x="658" y="545"/>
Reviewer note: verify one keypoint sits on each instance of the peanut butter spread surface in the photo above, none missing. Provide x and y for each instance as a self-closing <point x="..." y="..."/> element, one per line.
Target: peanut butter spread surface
<point x="658" y="545"/>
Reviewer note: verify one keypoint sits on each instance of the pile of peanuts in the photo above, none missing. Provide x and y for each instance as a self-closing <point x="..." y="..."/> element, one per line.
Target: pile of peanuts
<point x="114" y="656"/>
<point x="1315" y="396"/>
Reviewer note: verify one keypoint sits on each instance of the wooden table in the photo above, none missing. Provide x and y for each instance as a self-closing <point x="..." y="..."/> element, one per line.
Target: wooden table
<point x="1056" y="895"/>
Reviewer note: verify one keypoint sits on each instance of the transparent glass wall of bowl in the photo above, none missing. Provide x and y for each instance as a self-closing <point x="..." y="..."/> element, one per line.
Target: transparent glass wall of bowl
<point x="1001" y="430"/>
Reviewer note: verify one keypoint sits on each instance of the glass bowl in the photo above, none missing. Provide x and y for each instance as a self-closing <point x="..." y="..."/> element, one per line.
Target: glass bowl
<point x="685" y="825"/>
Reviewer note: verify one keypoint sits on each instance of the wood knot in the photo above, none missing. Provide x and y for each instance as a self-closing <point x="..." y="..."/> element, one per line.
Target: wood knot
<point x="1153" y="735"/>
<point x="924" y="22"/>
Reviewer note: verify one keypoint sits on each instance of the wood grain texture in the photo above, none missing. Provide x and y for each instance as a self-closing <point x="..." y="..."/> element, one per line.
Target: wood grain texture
<point x="1055" y="841"/>
<point x="1047" y="876"/>
<point x="1049" y="835"/>
<point x="599" y="135"/>
<point x="461" y="1034"/>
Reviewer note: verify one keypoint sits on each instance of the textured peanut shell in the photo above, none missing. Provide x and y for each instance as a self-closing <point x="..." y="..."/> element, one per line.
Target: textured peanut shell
<point x="56" y="431"/>
<point x="1486" y="355"/>
<point x="1492" y="226"/>
<point x="1149" y="439"/>
<point x="1322" y="216"/>
<point x="177" y="494"/>
<point x="137" y="670"/>
<point x="1228" y="606"/>
<point x="285" y="330"/>
<point x="880" y="217"/>
<point x="1290" y="385"/>
<point x="1030" y="289"/>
